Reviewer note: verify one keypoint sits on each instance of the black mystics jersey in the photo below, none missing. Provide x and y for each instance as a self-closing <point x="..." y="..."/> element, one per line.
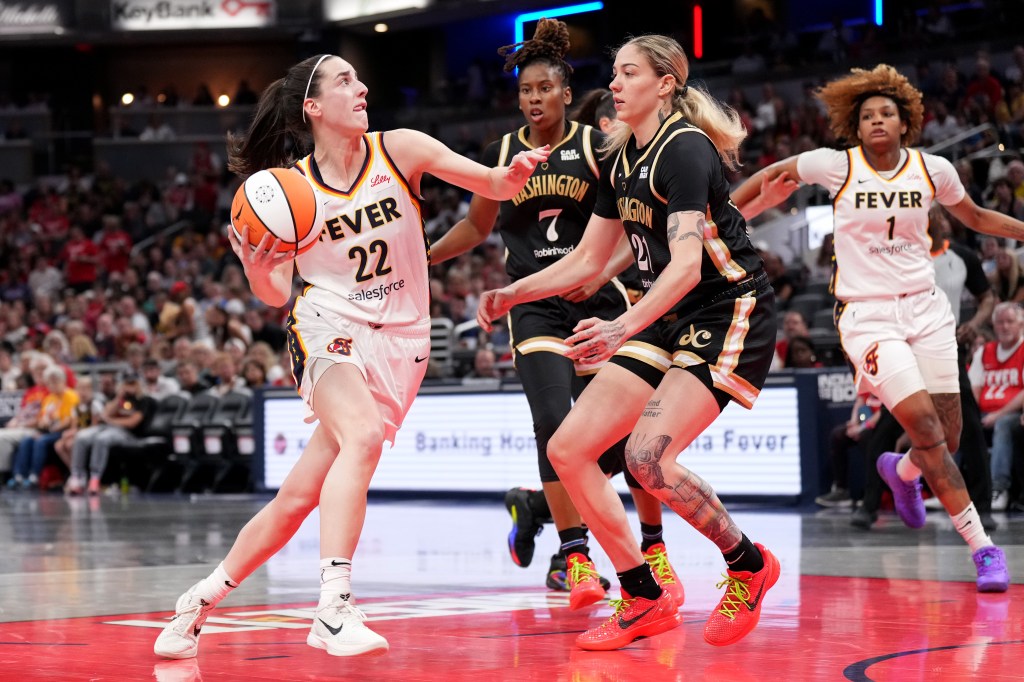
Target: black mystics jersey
<point x="545" y="221"/>
<point x="678" y="170"/>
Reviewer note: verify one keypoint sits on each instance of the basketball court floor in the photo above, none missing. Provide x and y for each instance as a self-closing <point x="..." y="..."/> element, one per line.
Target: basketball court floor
<point x="85" y="585"/>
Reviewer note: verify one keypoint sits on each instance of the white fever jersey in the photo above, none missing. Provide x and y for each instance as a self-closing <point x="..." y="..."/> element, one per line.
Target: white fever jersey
<point x="881" y="237"/>
<point x="370" y="263"/>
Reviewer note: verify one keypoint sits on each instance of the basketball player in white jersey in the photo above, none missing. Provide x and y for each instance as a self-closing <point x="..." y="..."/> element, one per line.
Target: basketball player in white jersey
<point x="896" y="326"/>
<point x="358" y="334"/>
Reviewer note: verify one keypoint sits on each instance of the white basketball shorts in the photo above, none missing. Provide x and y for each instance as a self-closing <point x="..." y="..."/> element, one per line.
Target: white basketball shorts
<point x="899" y="346"/>
<point x="392" y="360"/>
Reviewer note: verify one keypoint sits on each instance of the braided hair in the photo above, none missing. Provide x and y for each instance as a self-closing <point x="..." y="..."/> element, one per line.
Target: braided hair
<point x="549" y="45"/>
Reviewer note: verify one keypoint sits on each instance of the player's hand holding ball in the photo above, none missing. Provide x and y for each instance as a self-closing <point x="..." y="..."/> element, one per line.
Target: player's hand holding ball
<point x="275" y="216"/>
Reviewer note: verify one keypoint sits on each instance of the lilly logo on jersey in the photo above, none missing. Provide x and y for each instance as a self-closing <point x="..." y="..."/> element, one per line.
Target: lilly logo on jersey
<point x="696" y="338"/>
<point x="340" y="346"/>
<point x="380" y="179"/>
<point x="570" y="155"/>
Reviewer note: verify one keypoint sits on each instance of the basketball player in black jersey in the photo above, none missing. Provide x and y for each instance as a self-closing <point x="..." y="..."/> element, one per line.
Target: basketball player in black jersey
<point x="539" y="227"/>
<point x="701" y="336"/>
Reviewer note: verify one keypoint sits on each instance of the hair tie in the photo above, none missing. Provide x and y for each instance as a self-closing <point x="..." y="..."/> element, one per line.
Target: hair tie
<point x="686" y="86"/>
<point x="305" y="96"/>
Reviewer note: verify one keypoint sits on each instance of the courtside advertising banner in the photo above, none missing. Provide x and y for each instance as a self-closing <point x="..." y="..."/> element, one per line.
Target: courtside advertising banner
<point x="484" y="442"/>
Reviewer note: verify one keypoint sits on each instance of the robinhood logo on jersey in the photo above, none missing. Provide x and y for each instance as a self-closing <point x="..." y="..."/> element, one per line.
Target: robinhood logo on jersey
<point x="377" y="293"/>
<point x="160" y="15"/>
<point x="553" y="251"/>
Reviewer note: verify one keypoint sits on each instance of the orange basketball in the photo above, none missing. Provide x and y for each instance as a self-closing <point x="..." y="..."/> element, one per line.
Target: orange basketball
<point x="279" y="201"/>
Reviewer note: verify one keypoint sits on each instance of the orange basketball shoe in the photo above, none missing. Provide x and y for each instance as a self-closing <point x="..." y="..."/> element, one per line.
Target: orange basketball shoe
<point x="633" y="618"/>
<point x="583" y="582"/>
<point x="740" y="608"/>
<point x="657" y="557"/>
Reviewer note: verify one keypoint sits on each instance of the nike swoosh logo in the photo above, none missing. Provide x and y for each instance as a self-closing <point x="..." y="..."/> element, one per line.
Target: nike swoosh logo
<point x="624" y="624"/>
<point x="861" y="181"/>
<point x="753" y="605"/>
<point x="339" y="563"/>
<point x="334" y="631"/>
<point x="419" y="359"/>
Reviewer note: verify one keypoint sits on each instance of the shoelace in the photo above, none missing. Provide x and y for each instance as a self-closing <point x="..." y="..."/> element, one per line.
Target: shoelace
<point x="346" y="610"/>
<point x="737" y="593"/>
<point x="580" y="571"/>
<point x="182" y="626"/>
<point x="619" y="605"/>
<point x="658" y="560"/>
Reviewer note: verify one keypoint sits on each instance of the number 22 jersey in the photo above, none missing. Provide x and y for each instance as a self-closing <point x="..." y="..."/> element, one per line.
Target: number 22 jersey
<point x="370" y="263"/>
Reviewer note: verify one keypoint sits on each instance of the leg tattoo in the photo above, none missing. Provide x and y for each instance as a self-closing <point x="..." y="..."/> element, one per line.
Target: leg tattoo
<point x="939" y="469"/>
<point x="947" y="405"/>
<point x="692" y="497"/>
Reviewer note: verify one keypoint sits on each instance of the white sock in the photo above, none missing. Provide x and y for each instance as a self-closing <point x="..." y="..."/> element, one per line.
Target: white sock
<point x="215" y="586"/>
<point x="907" y="470"/>
<point x="335" y="579"/>
<point x="968" y="524"/>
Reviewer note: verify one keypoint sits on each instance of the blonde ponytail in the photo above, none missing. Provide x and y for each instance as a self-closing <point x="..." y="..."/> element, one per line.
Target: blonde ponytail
<point x="717" y="119"/>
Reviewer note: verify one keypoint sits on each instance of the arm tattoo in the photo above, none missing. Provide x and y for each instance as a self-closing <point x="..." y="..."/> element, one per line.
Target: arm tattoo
<point x="692" y="497"/>
<point x="672" y="227"/>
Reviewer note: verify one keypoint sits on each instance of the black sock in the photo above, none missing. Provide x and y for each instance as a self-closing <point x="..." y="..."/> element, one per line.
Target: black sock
<point x="640" y="582"/>
<point x="574" y="540"/>
<point x="744" y="557"/>
<point x="651" y="535"/>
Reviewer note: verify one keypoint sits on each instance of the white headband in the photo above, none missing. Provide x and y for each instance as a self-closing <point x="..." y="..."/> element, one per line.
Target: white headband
<point x="306" y="96"/>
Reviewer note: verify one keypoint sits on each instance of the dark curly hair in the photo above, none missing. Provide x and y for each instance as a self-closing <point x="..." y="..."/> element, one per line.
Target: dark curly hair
<point x="550" y="45"/>
<point x="844" y="97"/>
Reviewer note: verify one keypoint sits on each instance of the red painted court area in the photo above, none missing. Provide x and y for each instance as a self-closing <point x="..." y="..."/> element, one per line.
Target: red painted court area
<point x="840" y="628"/>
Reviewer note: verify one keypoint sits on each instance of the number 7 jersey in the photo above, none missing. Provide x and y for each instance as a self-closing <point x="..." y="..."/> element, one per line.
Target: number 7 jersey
<point x="881" y="236"/>
<point x="370" y="263"/>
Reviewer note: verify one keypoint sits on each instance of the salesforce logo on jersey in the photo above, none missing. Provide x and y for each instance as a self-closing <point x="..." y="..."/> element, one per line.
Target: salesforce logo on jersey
<point x="164" y="15"/>
<point x="377" y="293"/>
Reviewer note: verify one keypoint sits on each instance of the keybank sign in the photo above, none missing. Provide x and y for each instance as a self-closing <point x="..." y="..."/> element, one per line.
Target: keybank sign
<point x="173" y="15"/>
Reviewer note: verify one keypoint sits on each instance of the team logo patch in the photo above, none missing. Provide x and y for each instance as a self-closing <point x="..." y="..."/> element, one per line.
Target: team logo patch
<point x="696" y="338"/>
<point x="340" y="346"/>
<point x="871" y="360"/>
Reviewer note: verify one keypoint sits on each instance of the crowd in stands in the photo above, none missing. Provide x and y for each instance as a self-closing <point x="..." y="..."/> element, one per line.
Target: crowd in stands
<point x="109" y="277"/>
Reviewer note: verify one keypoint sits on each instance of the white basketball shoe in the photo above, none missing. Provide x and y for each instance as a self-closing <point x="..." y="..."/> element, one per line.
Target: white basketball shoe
<point x="339" y="629"/>
<point x="180" y="637"/>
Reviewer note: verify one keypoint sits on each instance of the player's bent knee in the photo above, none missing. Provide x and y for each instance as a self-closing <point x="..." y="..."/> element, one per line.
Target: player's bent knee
<point x="560" y="453"/>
